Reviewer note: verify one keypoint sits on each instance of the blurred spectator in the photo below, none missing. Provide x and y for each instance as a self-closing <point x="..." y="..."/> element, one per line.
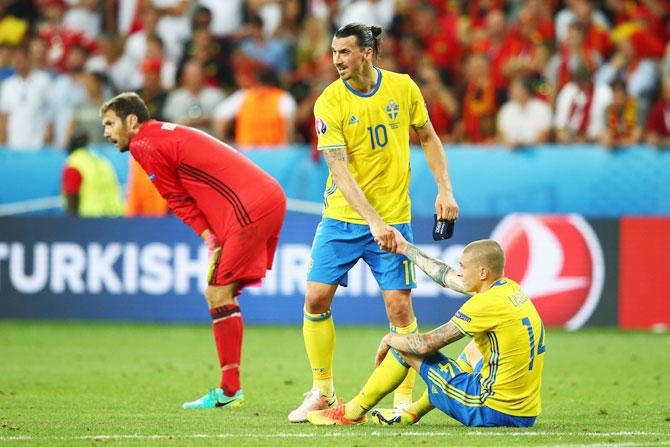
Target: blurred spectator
<point x="214" y="54"/>
<point x="269" y="11"/>
<point x="571" y="53"/>
<point x="480" y="104"/>
<point x="68" y="90"/>
<point x="523" y="120"/>
<point x="441" y="102"/>
<point x="490" y="41"/>
<point x="24" y="106"/>
<point x="521" y="54"/>
<point x="658" y="124"/>
<point x="174" y="24"/>
<point x="226" y="16"/>
<point x="12" y="29"/>
<point x="90" y="187"/>
<point x="440" y="38"/>
<point x="622" y="127"/>
<point x="272" y="52"/>
<point x="37" y="55"/>
<point x="580" y="11"/>
<point x="370" y="12"/>
<point x="58" y="38"/>
<point x="580" y="108"/>
<point x="628" y="65"/>
<point x="193" y="103"/>
<point x="264" y="114"/>
<point x="135" y="48"/>
<point x="143" y="197"/>
<point x="652" y="16"/>
<point x="597" y="35"/>
<point x="84" y="16"/>
<point x="86" y="115"/>
<point x="152" y="91"/>
<point x="290" y="27"/>
<point x="314" y="41"/>
<point x="6" y="62"/>
<point x="109" y="60"/>
<point x="167" y="69"/>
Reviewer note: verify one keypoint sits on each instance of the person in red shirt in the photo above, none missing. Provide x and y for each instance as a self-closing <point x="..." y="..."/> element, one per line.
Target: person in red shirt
<point x="234" y="206"/>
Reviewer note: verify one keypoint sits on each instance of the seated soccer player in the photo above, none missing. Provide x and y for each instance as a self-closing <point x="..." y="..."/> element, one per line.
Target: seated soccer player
<point x="495" y="381"/>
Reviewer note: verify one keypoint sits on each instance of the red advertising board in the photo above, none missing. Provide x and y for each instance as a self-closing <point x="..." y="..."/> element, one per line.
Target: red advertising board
<point x="644" y="272"/>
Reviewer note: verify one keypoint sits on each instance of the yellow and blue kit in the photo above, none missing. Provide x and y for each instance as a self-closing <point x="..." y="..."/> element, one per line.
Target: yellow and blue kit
<point x="504" y="388"/>
<point x="374" y="130"/>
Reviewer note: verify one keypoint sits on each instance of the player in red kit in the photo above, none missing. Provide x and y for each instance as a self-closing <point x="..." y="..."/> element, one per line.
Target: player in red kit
<point x="234" y="206"/>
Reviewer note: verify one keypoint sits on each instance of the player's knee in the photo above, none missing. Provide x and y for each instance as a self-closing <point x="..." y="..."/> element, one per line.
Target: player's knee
<point x="316" y="301"/>
<point x="400" y="313"/>
<point x="218" y="296"/>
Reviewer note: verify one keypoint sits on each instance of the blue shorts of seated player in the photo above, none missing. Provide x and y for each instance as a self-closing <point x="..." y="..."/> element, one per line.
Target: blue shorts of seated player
<point x="338" y="245"/>
<point x="458" y="394"/>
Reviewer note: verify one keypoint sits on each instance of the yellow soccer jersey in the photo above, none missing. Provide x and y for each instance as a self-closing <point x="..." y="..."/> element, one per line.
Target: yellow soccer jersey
<point x="375" y="130"/>
<point x="510" y="335"/>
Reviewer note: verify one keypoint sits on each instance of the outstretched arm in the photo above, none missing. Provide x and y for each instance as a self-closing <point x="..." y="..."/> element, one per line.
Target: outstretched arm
<point x="438" y="271"/>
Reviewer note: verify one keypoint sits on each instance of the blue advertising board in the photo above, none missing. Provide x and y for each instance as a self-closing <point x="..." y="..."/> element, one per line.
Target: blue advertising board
<point x="153" y="270"/>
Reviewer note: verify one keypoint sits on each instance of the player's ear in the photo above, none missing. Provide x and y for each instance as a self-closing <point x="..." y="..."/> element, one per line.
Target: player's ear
<point x="131" y="120"/>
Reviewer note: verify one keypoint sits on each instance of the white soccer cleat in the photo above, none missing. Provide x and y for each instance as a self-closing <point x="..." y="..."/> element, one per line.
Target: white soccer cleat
<point x="314" y="401"/>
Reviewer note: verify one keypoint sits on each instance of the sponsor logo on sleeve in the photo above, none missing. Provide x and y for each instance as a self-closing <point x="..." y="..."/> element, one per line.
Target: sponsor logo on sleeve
<point x="461" y="316"/>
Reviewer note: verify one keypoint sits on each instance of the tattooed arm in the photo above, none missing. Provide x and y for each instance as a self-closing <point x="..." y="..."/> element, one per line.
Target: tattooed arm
<point x="419" y="344"/>
<point x="438" y="271"/>
<point x="338" y="163"/>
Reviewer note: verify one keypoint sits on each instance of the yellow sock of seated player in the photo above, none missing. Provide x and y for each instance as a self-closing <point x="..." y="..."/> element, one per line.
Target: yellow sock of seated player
<point x="318" y="331"/>
<point x="421" y="406"/>
<point x="384" y="379"/>
<point x="403" y="394"/>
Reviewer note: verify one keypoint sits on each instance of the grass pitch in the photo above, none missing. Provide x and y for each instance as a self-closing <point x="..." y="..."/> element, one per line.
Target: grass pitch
<point x="82" y="384"/>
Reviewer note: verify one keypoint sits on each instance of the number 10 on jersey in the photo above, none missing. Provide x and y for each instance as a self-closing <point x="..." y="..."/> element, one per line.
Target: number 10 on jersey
<point x="378" y="136"/>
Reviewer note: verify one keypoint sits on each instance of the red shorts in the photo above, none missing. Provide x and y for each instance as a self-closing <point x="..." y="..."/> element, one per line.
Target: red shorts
<point x="246" y="255"/>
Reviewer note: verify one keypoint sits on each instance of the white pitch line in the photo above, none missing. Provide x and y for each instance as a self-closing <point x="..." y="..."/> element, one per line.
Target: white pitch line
<point x="388" y="433"/>
<point x="609" y="444"/>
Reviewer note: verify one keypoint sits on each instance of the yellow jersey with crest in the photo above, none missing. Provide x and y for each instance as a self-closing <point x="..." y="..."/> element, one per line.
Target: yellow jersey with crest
<point x="374" y="129"/>
<point x="510" y="335"/>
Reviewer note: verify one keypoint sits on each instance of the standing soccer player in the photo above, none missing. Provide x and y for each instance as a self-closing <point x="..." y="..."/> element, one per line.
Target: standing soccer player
<point x="235" y="207"/>
<point x="362" y="122"/>
<point x="496" y="381"/>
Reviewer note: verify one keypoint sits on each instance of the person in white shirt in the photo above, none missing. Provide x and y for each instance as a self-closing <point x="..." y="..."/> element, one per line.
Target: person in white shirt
<point x="24" y="106"/>
<point x="193" y="104"/>
<point x="523" y="120"/>
<point x="580" y="108"/>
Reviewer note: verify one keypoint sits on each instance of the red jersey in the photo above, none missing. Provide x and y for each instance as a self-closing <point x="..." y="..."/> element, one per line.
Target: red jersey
<point x="207" y="183"/>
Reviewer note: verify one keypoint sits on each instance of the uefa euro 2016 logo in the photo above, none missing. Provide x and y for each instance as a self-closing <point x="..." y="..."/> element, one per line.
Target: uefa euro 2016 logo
<point x="392" y="110"/>
<point x="320" y="126"/>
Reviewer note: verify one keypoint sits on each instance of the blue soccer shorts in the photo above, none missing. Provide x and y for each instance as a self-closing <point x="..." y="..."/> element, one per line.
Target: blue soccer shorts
<point x="339" y="245"/>
<point x="458" y="394"/>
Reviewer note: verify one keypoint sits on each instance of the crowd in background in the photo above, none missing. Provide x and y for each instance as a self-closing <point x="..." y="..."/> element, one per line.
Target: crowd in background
<point x="516" y="72"/>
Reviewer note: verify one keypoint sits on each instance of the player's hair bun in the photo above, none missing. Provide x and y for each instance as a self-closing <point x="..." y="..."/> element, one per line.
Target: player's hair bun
<point x="376" y="30"/>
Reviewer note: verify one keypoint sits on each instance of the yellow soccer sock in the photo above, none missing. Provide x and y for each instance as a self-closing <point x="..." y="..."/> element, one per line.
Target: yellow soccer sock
<point x="384" y="379"/>
<point x="318" y="331"/>
<point x="403" y="394"/>
<point x="421" y="406"/>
